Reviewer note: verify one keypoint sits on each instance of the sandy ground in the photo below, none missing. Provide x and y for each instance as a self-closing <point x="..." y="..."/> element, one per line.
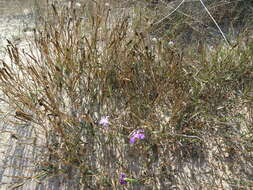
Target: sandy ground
<point x="15" y="25"/>
<point x="13" y="156"/>
<point x="16" y="158"/>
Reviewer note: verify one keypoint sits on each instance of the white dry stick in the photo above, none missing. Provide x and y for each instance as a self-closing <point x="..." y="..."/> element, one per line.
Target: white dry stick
<point x="215" y="22"/>
<point x="170" y="13"/>
<point x="158" y="22"/>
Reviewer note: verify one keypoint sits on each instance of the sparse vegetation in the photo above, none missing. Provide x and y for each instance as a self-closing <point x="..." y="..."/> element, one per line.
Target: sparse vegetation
<point x="114" y="105"/>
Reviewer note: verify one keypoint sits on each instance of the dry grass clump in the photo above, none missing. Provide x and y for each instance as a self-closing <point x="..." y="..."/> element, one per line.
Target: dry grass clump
<point x="191" y="22"/>
<point x="112" y="109"/>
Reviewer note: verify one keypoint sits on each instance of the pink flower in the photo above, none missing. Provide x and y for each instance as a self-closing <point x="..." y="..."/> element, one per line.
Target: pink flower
<point x="138" y="134"/>
<point x="122" y="179"/>
<point x="104" y="121"/>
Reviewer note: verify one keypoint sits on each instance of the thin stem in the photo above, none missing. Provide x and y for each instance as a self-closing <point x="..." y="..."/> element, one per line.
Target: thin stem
<point x="215" y="22"/>
<point x="223" y="35"/>
<point x="169" y="13"/>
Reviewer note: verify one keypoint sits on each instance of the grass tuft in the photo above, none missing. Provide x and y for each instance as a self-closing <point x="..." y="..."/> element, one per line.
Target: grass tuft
<point x="92" y="79"/>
